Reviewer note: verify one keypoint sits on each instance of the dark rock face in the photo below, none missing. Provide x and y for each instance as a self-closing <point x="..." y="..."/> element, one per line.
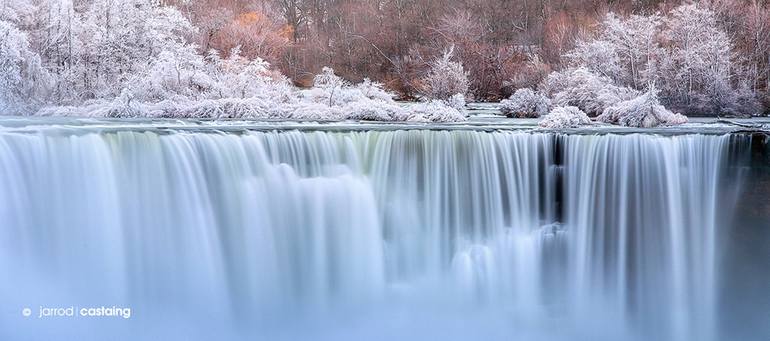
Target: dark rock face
<point x="746" y="259"/>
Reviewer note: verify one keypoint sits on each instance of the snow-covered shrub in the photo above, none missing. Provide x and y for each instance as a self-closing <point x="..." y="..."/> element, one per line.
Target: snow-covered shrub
<point x="586" y="90"/>
<point x="335" y="91"/>
<point x="314" y="112"/>
<point x="445" y="78"/>
<point x="743" y="103"/>
<point x="644" y="111"/>
<point x="371" y="110"/>
<point x="374" y="90"/>
<point x="123" y="106"/>
<point x="457" y="101"/>
<point x="565" y="117"/>
<point x="238" y="76"/>
<point x="525" y="103"/>
<point x="253" y="107"/>
<point x="433" y="111"/>
<point x="326" y="85"/>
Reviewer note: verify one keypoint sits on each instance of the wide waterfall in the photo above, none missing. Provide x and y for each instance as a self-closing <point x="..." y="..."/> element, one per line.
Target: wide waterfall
<point x="302" y="234"/>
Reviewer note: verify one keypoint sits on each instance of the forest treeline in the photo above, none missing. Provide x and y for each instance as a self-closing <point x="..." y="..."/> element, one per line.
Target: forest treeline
<point x="708" y="57"/>
<point x="503" y="44"/>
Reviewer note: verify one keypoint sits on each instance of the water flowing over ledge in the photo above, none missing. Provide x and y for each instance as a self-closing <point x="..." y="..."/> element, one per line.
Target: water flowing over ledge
<point x="368" y="234"/>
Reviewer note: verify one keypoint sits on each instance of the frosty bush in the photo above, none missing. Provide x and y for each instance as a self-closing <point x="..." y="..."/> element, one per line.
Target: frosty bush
<point x="565" y="117"/>
<point x="370" y="110"/>
<point x="241" y="77"/>
<point x="335" y="91"/>
<point x="326" y="84"/>
<point x="445" y="78"/>
<point x="643" y="111"/>
<point x="586" y="90"/>
<point x="374" y="90"/>
<point x="743" y="103"/>
<point x="457" y="101"/>
<point x="253" y="107"/>
<point x="525" y="103"/>
<point x="433" y="111"/>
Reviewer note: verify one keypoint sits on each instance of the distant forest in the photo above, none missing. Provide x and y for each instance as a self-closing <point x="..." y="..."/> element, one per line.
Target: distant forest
<point x="696" y="58"/>
<point x="503" y="44"/>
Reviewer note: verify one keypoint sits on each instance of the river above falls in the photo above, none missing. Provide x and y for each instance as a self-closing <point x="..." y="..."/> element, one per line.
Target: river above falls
<point x="481" y="122"/>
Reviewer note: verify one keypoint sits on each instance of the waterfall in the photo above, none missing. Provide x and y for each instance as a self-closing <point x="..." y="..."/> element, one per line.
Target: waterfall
<point x="287" y="234"/>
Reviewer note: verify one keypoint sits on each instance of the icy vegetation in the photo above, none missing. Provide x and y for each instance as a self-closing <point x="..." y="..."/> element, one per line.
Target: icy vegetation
<point x="643" y="111"/>
<point x="330" y="99"/>
<point x="139" y="58"/>
<point x="22" y="79"/>
<point x="634" y="67"/>
<point x="686" y="53"/>
<point x="446" y="78"/>
<point x="565" y="117"/>
<point x="585" y="89"/>
<point x="525" y="103"/>
<point x="133" y="59"/>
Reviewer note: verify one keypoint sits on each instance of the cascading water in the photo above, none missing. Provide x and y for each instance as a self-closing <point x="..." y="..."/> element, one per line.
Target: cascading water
<point x="364" y="235"/>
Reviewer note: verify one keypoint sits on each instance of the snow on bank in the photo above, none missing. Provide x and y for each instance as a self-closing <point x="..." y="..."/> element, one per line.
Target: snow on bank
<point x="260" y="108"/>
<point x="330" y="99"/>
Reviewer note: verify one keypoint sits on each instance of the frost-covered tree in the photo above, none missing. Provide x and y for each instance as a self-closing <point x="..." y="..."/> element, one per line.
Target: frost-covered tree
<point x="18" y="12"/>
<point x="241" y="77"/>
<point x="445" y="78"/>
<point x="624" y="50"/>
<point x="23" y="80"/>
<point x="59" y="41"/>
<point x="119" y="40"/>
<point x="177" y="71"/>
<point x="686" y="52"/>
<point x="697" y="66"/>
<point x="525" y="103"/>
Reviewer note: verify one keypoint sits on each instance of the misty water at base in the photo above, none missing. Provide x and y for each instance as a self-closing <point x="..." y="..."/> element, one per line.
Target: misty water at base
<point x="418" y="234"/>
